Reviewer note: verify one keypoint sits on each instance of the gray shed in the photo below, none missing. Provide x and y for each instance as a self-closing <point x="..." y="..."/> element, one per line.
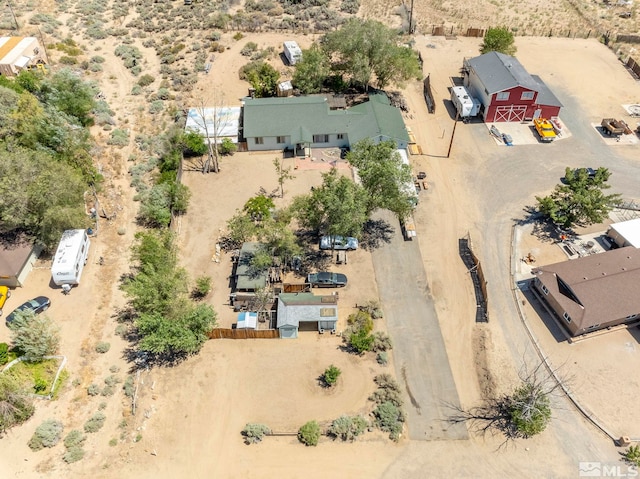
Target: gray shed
<point x="306" y="311"/>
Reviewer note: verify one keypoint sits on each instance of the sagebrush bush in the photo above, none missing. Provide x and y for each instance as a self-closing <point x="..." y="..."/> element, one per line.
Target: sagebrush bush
<point x="386" y="381"/>
<point x="47" y="434"/>
<point x="380" y="396"/>
<point x="128" y="387"/>
<point x="331" y="375"/>
<point x="103" y="347"/>
<point x="309" y="434"/>
<point x="253" y="433"/>
<point x="381" y="342"/>
<point x="347" y="428"/>
<point x="93" y="390"/>
<point x="74" y="438"/>
<point x="73" y="454"/>
<point x="95" y="422"/>
<point x="120" y="138"/>
<point x="382" y="358"/>
<point x="389" y="418"/>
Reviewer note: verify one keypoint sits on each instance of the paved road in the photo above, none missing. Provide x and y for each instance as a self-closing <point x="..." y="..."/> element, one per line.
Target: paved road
<point x="422" y="365"/>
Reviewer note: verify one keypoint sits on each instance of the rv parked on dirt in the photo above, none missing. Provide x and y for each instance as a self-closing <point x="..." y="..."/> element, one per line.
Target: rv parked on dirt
<point x="293" y="52"/>
<point x="70" y="257"/>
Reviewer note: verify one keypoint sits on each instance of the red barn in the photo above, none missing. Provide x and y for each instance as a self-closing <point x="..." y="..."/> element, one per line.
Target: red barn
<point x="506" y="90"/>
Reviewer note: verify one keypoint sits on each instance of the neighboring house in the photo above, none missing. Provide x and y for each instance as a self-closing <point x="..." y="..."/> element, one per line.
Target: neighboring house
<point x="301" y="123"/>
<point x="16" y="261"/>
<point x="306" y="312"/>
<point x="594" y="292"/>
<point x="248" y="279"/>
<point x="625" y="233"/>
<point x="19" y="53"/>
<point x="506" y="90"/>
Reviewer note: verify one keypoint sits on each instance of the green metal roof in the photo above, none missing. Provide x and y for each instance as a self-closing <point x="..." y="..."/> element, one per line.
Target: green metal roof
<point x="247" y="278"/>
<point x="302" y="117"/>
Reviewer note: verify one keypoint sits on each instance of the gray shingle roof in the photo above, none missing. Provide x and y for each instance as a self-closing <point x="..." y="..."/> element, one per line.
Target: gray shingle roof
<point x="499" y="72"/>
<point x="302" y="117"/>
<point x="545" y="95"/>
<point x="295" y="308"/>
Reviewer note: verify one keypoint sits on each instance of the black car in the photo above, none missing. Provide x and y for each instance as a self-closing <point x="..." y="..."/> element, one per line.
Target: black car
<point x="37" y="305"/>
<point x="591" y="173"/>
<point x="327" y="280"/>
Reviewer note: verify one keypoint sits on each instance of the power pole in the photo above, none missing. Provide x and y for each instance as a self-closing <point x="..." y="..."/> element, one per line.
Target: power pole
<point x="453" y="133"/>
<point x="14" y="15"/>
<point x="411" y="19"/>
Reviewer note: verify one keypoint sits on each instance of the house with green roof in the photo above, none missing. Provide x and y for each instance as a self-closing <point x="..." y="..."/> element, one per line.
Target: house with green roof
<point x="301" y="123"/>
<point x="305" y="311"/>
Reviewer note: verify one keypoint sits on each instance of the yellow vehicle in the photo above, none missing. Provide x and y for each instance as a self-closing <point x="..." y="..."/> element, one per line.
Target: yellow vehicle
<point x="4" y="294"/>
<point x="545" y="129"/>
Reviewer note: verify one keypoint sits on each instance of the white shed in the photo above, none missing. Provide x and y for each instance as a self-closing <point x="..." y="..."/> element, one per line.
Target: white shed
<point x="18" y="53"/>
<point x="625" y="233"/>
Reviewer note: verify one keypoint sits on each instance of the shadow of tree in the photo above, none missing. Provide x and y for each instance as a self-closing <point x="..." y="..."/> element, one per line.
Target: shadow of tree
<point x="375" y="232"/>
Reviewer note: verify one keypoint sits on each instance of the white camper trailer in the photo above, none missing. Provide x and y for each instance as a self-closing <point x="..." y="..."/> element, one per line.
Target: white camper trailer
<point x="293" y="52"/>
<point x="70" y="257"/>
<point x="465" y="104"/>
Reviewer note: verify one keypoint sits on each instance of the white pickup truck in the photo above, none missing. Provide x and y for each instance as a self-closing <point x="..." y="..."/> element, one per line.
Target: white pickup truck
<point x="408" y="228"/>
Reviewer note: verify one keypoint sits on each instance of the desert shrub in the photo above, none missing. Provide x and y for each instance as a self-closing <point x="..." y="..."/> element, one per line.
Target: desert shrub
<point x="360" y="321"/>
<point x="386" y="381"/>
<point x="95" y="422"/>
<point x="97" y="59"/>
<point x="253" y="433"/>
<point x="381" y="396"/>
<point x="389" y="418"/>
<point x="136" y="90"/>
<point x="238" y="36"/>
<point x="248" y="49"/>
<point x="75" y="438"/>
<point x="347" y="428"/>
<point x="102" y="347"/>
<point x="381" y="342"/>
<point x="330" y="375"/>
<point x="114" y="368"/>
<point x="66" y="60"/>
<point x="102" y="406"/>
<point x="47" y="434"/>
<point x="17" y="405"/>
<point x="4" y="353"/>
<point x="73" y="454"/>
<point x="360" y="341"/>
<point x="120" y="138"/>
<point x="309" y="434"/>
<point x="156" y="107"/>
<point x="112" y="380"/>
<point x="95" y="67"/>
<point x="227" y="147"/>
<point x="40" y="384"/>
<point x="163" y="94"/>
<point x="202" y="288"/>
<point x="350" y="6"/>
<point x="121" y="330"/>
<point x="382" y="358"/>
<point x="108" y="390"/>
<point x="93" y="390"/>
<point x="373" y="308"/>
<point x="146" y="80"/>
<point x="128" y="387"/>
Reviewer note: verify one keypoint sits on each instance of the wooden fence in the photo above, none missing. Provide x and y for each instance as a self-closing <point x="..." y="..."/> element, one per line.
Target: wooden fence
<point x="633" y="66"/>
<point x="227" y="333"/>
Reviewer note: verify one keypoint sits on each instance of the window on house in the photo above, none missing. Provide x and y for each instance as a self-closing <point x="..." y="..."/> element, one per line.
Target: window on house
<point x="594" y="326"/>
<point x="527" y="95"/>
<point x="632" y="316"/>
<point x="281" y="139"/>
<point x="321" y="138"/>
<point x="486" y="92"/>
<point x="340" y="136"/>
<point x="259" y="140"/>
<point x="544" y="289"/>
<point x="567" y="317"/>
<point x="502" y="96"/>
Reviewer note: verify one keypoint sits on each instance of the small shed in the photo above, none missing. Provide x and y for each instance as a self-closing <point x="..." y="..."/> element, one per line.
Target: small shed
<point x="285" y="88"/>
<point x="625" y="233"/>
<point x="247" y="320"/>
<point x="306" y="312"/>
<point x="19" y="53"/>
<point x="16" y="261"/>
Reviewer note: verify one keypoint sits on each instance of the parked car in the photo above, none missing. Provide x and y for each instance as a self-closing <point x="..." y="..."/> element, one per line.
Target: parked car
<point x="338" y="242"/>
<point x="5" y="293"/>
<point x="326" y="279"/>
<point x="591" y="173"/>
<point x="37" y="305"/>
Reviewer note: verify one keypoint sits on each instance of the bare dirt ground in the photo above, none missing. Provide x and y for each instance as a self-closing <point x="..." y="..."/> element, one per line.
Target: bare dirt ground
<point x="189" y="417"/>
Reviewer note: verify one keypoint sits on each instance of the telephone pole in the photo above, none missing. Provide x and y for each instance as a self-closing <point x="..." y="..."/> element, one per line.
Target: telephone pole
<point x="16" y="20"/>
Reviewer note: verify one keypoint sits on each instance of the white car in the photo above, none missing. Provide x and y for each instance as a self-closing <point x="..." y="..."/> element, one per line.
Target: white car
<point x="338" y="242"/>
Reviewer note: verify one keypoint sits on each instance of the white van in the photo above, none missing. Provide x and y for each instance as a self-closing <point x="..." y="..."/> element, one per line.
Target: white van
<point x="70" y="257"/>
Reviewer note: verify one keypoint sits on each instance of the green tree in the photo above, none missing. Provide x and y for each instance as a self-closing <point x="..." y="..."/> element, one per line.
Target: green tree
<point x="580" y="201"/>
<point x="338" y="207"/>
<point x="227" y="147"/>
<point x="155" y="208"/>
<point x="241" y="229"/>
<point x="331" y="375"/>
<point x="194" y="143"/>
<point x="70" y="94"/>
<point x="362" y="49"/>
<point x="262" y="76"/>
<point x="16" y="405"/>
<point x="34" y="335"/>
<point x="309" y="434"/>
<point x="632" y="455"/>
<point x="499" y="39"/>
<point x="529" y="409"/>
<point x="312" y="71"/>
<point x="259" y="207"/>
<point x="283" y="173"/>
<point x="384" y="177"/>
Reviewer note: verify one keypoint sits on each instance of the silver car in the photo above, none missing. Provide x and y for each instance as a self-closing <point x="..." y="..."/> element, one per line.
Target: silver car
<point x="338" y="242"/>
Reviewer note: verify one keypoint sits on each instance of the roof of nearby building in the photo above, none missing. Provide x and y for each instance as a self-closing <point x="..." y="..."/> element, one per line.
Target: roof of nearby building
<point x="499" y="72"/>
<point x="545" y="95"/>
<point x="247" y="277"/>
<point x="596" y="288"/>
<point x="629" y="230"/>
<point x="219" y="121"/>
<point x="302" y="117"/>
<point x="11" y="48"/>
<point x="294" y="308"/>
<point x="13" y="256"/>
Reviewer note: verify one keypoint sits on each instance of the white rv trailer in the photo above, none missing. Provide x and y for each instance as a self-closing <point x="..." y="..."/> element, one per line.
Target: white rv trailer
<point x="70" y="257"/>
<point x="293" y="52"/>
<point x="465" y="104"/>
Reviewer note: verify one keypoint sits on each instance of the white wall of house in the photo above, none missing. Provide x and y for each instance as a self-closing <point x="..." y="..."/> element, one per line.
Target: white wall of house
<point x="473" y="83"/>
<point x="279" y="143"/>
